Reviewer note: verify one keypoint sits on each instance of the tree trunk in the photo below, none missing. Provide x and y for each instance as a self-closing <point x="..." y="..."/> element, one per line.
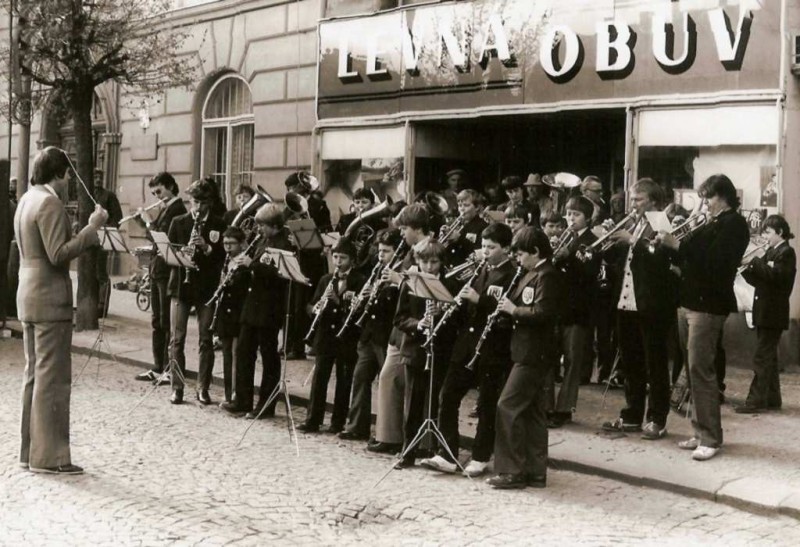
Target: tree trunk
<point x="80" y="105"/>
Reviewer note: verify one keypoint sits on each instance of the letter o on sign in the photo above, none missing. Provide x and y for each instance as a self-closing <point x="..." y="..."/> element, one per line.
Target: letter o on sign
<point x="550" y="49"/>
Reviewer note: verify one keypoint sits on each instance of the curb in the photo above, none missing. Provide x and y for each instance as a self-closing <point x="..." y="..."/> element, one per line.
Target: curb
<point x="745" y="494"/>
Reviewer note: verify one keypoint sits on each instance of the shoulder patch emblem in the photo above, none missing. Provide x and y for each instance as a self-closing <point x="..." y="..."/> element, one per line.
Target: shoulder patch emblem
<point x="495" y="291"/>
<point x="472" y="238"/>
<point x="528" y="296"/>
<point x="213" y="235"/>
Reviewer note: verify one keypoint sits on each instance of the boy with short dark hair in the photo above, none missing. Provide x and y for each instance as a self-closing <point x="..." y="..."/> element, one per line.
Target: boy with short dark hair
<point x="335" y="292"/>
<point x="479" y="300"/>
<point x="461" y="243"/>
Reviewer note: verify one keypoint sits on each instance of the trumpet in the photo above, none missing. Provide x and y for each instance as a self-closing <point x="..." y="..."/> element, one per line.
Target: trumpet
<point x="465" y="270"/>
<point x="683" y="230"/>
<point x="397" y="259"/>
<point x="448" y="230"/>
<point x="456" y="306"/>
<point x="321" y="306"/>
<point x="751" y="254"/>
<point x="139" y="213"/>
<point x="605" y="242"/>
<point x="492" y="319"/>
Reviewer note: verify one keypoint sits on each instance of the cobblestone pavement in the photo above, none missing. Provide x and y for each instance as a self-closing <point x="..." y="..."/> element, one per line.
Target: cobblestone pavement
<point x="173" y="475"/>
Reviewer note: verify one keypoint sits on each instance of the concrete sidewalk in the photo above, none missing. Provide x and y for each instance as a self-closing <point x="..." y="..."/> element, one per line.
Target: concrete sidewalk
<point x="757" y="468"/>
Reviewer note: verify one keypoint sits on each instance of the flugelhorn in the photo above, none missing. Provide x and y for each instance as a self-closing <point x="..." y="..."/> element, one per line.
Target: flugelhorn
<point x="605" y="242"/>
<point x="683" y="230"/>
<point x="447" y="231"/>
<point x="564" y="240"/>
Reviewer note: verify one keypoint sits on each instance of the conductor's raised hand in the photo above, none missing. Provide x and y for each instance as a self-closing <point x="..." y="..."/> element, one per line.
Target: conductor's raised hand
<point x="98" y="218"/>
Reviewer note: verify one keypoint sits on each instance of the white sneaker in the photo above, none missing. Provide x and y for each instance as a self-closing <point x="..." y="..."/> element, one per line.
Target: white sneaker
<point x="703" y="453"/>
<point x="689" y="444"/>
<point x="475" y="468"/>
<point x="438" y="463"/>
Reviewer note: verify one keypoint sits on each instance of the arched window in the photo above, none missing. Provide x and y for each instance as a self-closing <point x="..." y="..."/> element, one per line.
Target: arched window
<point x="228" y="134"/>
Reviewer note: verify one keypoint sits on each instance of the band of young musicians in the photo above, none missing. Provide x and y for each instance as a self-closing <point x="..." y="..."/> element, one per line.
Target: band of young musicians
<point x="527" y="291"/>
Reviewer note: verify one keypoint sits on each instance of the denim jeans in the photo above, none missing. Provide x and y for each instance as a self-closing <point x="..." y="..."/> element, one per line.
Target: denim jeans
<point x="180" y="319"/>
<point x="699" y="332"/>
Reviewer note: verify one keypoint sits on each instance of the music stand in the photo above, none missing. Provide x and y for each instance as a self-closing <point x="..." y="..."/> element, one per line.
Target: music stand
<point x="111" y="241"/>
<point x="289" y="269"/>
<point x="306" y="234"/>
<point x="428" y="287"/>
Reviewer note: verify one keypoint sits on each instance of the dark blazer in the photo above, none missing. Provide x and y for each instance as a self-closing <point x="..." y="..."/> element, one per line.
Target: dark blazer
<point x="379" y="322"/>
<point x="325" y="340"/>
<point x="203" y="281"/>
<point x="535" y="321"/>
<point x="472" y="320"/>
<point x="410" y="311"/>
<point x="108" y="200"/>
<point x="458" y="251"/>
<point x="580" y="282"/>
<point x="229" y="307"/>
<point x="159" y="268"/>
<point x="773" y="277"/>
<point x="265" y="299"/>
<point x="709" y="260"/>
<point x="654" y="284"/>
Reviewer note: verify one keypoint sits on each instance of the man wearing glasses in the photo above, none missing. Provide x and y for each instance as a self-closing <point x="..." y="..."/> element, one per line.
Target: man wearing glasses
<point x="165" y="189"/>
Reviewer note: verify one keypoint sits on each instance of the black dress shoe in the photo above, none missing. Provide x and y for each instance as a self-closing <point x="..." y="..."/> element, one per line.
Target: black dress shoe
<point x="536" y="481"/>
<point x="308" y="428"/>
<point x="295" y="356"/>
<point x="256" y="413"/>
<point x="405" y="463"/>
<point x="384" y="448"/>
<point x="149" y="376"/>
<point x="232" y="407"/>
<point x="68" y="469"/>
<point x="177" y="397"/>
<point x="203" y="397"/>
<point x="352" y="436"/>
<point x="508" y="481"/>
<point x="334" y="429"/>
<point x="748" y="409"/>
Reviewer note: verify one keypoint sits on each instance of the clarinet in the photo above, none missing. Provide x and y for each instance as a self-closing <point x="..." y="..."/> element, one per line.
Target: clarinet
<point x="321" y="306"/>
<point x="373" y="297"/>
<point x="492" y="319"/>
<point x="356" y="305"/>
<point x="456" y="306"/>
<point x="197" y="227"/>
<point x="226" y="276"/>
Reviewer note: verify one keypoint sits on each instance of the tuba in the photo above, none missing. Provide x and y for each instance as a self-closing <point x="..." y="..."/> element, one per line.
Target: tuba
<point x="244" y="219"/>
<point x="435" y="202"/>
<point x="362" y="233"/>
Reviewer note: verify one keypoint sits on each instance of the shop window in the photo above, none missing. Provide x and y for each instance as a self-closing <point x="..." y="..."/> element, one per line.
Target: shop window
<point x="228" y="129"/>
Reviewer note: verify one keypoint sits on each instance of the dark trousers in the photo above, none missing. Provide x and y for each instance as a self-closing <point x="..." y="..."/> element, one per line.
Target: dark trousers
<point x="577" y="347"/>
<point x="251" y="340"/>
<point x="228" y="345"/>
<point x="416" y="398"/>
<point x="643" y="351"/>
<point x="765" y="389"/>
<point x="489" y="378"/>
<point x="520" y="444"/>
<point x="103" y="282"/>
<point x="160" y="323"/>
<point x="319" y="388"/>
<point x="179" y="320"/>
<point x="604" y="321"/>
<point x="370" y="358"/>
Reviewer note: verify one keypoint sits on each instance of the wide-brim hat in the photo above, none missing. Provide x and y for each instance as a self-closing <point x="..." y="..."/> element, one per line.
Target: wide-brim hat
<point x="534" y="179"/>
<point x="455" y="172"/>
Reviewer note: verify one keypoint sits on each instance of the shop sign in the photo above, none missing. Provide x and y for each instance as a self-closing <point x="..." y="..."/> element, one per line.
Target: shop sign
<point x="510" y="51"/>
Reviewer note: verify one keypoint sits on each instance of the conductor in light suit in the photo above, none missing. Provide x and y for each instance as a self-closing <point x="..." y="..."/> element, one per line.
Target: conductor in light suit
<point x="44" y="302"/>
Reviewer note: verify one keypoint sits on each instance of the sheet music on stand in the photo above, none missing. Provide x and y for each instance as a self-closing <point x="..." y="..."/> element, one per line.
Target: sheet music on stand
<point x="111" y="240"/>
<point x="306" y="234"/>
<point x="172" y="254"/>
<point x="429" y="287"/>
<point x="287" y="265"/>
